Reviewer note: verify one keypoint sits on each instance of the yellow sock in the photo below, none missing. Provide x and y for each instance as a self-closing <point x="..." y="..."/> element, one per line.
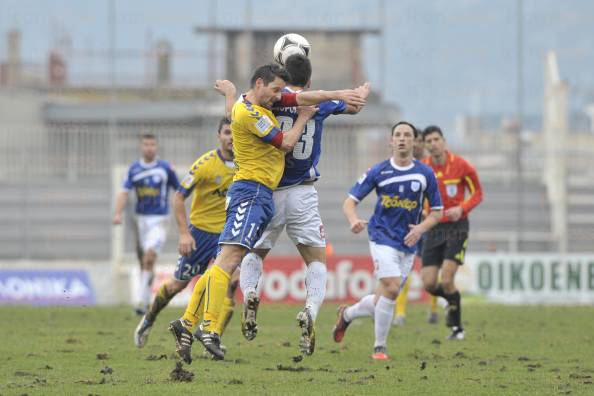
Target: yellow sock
<point x="195" y="308"/>
<point x="402" y="300"/>
<point x="433" y="304"/>
<point x="225" y="316"/>
<point x="216" y="291"/>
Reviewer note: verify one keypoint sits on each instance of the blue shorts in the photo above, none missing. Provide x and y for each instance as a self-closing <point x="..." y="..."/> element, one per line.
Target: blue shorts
<point x="206" y="250"/>
<point x="249" y="210"/>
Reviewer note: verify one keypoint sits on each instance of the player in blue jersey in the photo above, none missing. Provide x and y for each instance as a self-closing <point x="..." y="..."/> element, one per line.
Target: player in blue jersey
<point x="296" y="200"/>
<point x="401" y="184"/>
<point x="150" y="178"/>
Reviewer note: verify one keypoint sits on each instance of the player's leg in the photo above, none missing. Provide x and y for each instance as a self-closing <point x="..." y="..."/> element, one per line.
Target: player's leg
<point x="166" y="292"/>
<point x="401" y="302"/>
<point x="153" y="234"/>
<point x="315" y="285"/>
<point x="228" y="304"/>
<point x="455" y="251"/>
<point x="306" y="230"/>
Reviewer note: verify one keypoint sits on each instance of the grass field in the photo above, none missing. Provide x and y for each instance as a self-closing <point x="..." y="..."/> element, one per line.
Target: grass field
<point x="508" y="351"/>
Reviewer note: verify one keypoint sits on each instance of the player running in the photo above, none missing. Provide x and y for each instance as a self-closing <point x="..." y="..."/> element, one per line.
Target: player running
<point x="296" y="206"/>
<point x="401" y="184"/>
<point x="151" y="178"/>
<point x="402" y="300"/>
<point x="445" y="246"/>
<point x="208" y="179"/>
<point x="259" y="146"/>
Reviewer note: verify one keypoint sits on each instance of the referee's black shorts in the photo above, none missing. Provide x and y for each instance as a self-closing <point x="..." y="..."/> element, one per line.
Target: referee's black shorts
<point x="445" y="241"/>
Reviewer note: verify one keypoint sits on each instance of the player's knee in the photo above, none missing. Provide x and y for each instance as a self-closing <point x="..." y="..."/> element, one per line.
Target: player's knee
<point x="232" y="287"/>
<point x="175" y="286"/>
<point x="430" y="287"/>
<point x="391" y="290"/>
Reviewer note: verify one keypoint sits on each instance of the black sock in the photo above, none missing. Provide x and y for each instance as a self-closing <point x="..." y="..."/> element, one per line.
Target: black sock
<point x="438" y="292"/>
<point x="455" y="308"/>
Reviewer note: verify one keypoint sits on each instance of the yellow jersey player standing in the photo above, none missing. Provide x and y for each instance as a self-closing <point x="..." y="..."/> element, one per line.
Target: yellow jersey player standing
<point x="259" y="146"/>
<point x="208" y="179"/>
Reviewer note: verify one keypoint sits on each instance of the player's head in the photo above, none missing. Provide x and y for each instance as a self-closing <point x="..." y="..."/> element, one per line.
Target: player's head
<point x="403" y="137"/>
<point x="268" y="82"/>
<point x="299" y="67"/>
<point x="419" y="147"/>
<point x="148" y="146"/>
<point x="434" y="140"/>
<point x="225" y="136"/>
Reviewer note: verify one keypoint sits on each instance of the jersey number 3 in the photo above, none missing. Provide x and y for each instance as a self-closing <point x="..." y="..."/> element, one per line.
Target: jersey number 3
<point x="304" y="146"/>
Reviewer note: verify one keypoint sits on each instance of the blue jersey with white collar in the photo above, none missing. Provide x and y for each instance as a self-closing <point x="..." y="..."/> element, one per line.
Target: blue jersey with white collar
<point x="151" y="182"/>
<point x="401" y="192"/>
<point x="300" y="164"/>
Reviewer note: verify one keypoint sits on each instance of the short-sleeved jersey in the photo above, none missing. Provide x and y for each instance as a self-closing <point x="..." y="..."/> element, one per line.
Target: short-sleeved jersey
<point x="301" y="163"/>
<point x="455" y="178"/>
<point x="151" y="182"/>
<point x="400" y="195"/>
<point x="209" y="178"/>
<point x="253" y="128"/>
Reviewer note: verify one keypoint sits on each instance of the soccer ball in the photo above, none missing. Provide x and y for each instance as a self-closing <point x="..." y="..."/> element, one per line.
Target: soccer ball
<point x="290" y="44"/>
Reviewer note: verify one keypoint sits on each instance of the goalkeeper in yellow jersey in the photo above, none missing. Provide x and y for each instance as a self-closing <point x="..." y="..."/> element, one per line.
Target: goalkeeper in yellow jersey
<point x="208" y="179"/>
<point x="259" y="146"/>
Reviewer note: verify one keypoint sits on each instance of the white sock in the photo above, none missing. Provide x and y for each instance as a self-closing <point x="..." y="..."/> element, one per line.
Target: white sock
<point x="146" y="283"/>
<point x="315" y="284"/>
<point x="250" y="273"/>
<point x="361" y="309"/>
<point x="384" y="311"/>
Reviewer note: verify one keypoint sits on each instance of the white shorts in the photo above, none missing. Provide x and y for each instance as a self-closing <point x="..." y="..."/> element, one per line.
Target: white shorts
<point x="389" y="262"/>
<point x="152" y="232"/>
<point x="297" y="209"/>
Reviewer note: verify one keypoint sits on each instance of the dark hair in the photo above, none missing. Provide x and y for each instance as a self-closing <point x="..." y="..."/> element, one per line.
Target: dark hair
<point x="148" y="136"/>
<point x="222" y="122"/>
<point x="268" y="73"/>
<point x="432" y="129"/>
<point x="299" y="67"/>
<point x="415" y="131"/>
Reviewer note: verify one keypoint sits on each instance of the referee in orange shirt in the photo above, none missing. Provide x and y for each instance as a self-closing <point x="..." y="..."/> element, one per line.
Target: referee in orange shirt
<point x="445" y="245"/>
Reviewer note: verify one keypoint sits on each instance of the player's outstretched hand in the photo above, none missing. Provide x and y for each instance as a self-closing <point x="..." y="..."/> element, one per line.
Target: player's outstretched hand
<point x="187" y="244"/>
<point x="307" y="111"/>
<point x="352" y="97"/>
<point x="358" y="225"/>
<point x="225" y="88"/>
<point x="117" y="219"/>
<point x="413" y="235"/>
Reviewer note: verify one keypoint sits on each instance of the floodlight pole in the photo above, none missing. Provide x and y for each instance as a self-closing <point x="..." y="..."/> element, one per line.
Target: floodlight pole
<point x="520" y="120"/>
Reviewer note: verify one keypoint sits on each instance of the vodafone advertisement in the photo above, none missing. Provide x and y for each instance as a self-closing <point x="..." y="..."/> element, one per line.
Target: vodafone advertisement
<point x="349" y="279"/>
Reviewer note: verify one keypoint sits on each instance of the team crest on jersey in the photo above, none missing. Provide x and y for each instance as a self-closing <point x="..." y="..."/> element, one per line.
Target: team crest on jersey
<point x="263" y="124"/>
<point x="451" y="190"/>
<point x="415" y="186"/>
<point x="218" y="180"/>
<point x="156" y="179"/>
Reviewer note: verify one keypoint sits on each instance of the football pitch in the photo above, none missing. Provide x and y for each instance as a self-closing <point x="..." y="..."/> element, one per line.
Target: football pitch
<point x="508" y="351"/>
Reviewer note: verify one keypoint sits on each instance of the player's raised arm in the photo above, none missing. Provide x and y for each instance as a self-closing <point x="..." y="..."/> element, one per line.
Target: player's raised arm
<point x="228" y="90"/>
<point x="309" y="98"/>
<point x="363" y="91"/>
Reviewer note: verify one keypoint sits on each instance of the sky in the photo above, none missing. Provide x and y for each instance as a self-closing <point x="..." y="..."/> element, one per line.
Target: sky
<point x="442" y="58"/>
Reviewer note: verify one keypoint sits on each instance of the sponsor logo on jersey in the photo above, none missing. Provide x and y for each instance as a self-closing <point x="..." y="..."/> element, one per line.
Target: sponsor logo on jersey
<point x="148" y="192"/>
<point x="220" y="193"/>
<point x="396" y="202"/>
